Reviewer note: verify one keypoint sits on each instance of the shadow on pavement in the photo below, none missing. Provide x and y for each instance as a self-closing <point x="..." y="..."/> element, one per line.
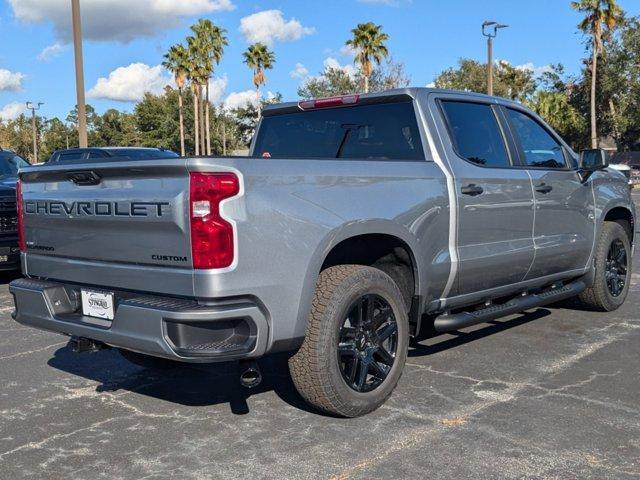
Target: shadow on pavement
<point x="461" y="338"/>
<point x="9" y="276"/>
<point x="208" y="385"/>
<point x="186" y="384"/>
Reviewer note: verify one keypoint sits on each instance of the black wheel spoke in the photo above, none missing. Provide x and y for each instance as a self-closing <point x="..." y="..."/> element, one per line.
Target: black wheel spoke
<point x="362" y="375"/>
<point x="386" y="331"/>
<point x="354" y="370"/>
<point x="378" y="370"/>
<point x="381" y="316"/>
<point x="347" y="350"/>
<point x="384" y="356"/>
<point x="369" y="309"/>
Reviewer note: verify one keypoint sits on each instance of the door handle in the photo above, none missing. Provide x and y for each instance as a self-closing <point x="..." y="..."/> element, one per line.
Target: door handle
<point x="543" y="188"/>
<point x="472" y="189"/>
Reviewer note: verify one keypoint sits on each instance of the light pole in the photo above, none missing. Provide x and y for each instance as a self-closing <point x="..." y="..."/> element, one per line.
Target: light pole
<point x="77" y="48"/>
<point x="490" y="33"/>
<point x="33" y="107"/>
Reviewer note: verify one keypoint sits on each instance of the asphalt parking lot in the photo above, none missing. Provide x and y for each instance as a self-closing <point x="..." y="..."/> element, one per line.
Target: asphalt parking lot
<point x="552" y="393"/>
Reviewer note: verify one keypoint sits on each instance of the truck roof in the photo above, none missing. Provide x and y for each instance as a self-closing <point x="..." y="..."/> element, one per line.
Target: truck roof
<point x="388" y="95"/>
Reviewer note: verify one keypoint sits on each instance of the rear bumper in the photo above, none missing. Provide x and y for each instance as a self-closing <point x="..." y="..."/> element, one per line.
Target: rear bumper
<point x="172" y="328"/>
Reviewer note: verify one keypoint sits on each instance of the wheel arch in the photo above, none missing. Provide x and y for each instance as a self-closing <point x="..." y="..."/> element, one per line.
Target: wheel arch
<point x="330" y="249"/>
<point x="622" y="215"/>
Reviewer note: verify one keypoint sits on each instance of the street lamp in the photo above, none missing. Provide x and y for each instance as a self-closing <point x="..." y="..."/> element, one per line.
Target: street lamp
<point x="490" y="30"/>
<point x="33" y="107"/>
<point x="77" y="48"/>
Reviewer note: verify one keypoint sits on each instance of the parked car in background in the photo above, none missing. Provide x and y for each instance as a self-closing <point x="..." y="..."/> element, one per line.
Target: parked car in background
<point x="101" y="153"/>
<point x="10" y="163"/>
<point x="630" y="160"/>
<point x="624" y="169"/>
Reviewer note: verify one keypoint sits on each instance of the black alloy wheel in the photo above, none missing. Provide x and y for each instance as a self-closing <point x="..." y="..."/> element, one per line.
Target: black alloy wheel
<point x="616" y="268"/>
<point x="367" y="343"/>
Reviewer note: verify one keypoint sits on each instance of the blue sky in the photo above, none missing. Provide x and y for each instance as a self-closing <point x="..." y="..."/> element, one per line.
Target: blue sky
<point x="125" y="40"/>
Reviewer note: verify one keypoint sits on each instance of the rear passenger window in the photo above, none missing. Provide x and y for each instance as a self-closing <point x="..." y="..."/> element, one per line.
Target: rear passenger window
<point x="476" y="134"/>
<point x="540" y="148"/>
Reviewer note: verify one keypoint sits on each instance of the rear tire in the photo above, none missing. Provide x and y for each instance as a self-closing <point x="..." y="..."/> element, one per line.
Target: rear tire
<point x="341" y="342"/>
<point x="607" y="293"/>
<point x="148" y="361"/>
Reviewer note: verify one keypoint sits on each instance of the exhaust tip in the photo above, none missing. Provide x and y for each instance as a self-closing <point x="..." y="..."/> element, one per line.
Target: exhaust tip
<point x="250" y="375"/>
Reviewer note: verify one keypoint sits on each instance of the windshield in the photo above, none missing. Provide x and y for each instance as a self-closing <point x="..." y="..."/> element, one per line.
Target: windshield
<point x="387" y="131"/>
<point x="9" y="165"/>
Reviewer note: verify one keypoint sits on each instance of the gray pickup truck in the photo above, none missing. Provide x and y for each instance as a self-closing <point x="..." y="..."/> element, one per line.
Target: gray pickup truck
<point x="355" y="224"/>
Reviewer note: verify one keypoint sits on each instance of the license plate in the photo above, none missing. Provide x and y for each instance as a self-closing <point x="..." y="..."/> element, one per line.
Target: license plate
<point x="97" y="304"/>
<point x="4" y="258"/>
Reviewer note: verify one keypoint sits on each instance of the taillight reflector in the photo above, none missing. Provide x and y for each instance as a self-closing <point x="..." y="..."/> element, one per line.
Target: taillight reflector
<point x="212" y="237"/>
<point x="22" y="242"/>
<point x="329" y="102"/>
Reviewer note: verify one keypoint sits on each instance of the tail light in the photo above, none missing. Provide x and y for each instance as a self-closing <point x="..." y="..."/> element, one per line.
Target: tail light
<point x="340" y="101"/>
<point x="212" y="237"/>
<point x="22" y="242"/>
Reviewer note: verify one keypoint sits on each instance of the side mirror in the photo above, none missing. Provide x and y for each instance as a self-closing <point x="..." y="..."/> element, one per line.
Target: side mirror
<point x="592" y="160"/>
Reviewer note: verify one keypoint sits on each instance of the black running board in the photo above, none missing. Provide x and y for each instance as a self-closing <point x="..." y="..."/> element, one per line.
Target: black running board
<point x="452" y="322"/>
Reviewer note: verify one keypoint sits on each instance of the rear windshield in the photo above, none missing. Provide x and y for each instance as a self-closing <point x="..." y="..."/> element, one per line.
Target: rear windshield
<point x="381" y="131"/>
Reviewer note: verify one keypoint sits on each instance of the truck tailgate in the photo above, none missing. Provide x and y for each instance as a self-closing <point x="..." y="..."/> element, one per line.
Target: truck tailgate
<point x="122" y="212"/>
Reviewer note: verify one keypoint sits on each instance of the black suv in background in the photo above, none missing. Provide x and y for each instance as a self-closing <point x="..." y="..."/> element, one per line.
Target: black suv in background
<point x="102" y="153"/>
<point x="10" y="163"/>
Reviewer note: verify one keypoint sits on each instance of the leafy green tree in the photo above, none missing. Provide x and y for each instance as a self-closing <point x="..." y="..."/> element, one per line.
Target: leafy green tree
<point x="601" y="18"/>
<point x="56" y="136"/>
<point x="259" y="58"/>
<point x="369" y="43"/>
<point x="17" y="135"/>
<point x="335" y="81"/>
<point x="246" y="118"/>
<point x="557" y="110"/>
<point x="471" y="76"/>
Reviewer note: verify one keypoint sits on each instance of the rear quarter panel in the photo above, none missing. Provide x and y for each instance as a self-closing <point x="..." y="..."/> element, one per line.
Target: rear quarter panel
<point x="293" y="212"/>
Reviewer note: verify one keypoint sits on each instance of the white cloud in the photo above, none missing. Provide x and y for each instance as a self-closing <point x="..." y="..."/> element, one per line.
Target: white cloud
<point x="269" y="26"/>
<point x="129" y="84"/>
<point x="332" y="63"/>
<point x="431" y="85"/>
<point x="536" y="70"/>
<point x="119" y="20"/>
<point x="299" y="72"/>
<point x="217" y="87"/>
<point x="51" y="51"/>
<point x="10" y="81"/>
<point x="12" y="111"/>
<point x="241" y="99"/>
<point x="348" y="51"/>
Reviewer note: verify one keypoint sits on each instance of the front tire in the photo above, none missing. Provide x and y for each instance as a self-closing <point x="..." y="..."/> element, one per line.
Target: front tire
<point x="613" y="270"/>
<point x="356" y="342"/>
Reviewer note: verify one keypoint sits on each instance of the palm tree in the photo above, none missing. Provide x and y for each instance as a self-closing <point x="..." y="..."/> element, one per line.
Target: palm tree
<point x="199" y="77"/>
<point x="176" y="60"/>
<point x="210" y="40"/>
<point x="369" y="44"/>
<point x="259" y="58"/>
<point x="601" y="18"/>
